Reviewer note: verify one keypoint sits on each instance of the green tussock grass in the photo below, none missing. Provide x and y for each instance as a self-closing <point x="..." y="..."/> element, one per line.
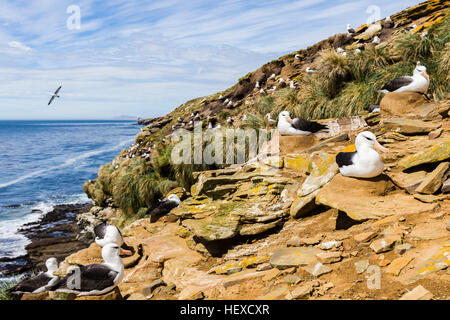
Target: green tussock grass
<point x="5" y="285"/>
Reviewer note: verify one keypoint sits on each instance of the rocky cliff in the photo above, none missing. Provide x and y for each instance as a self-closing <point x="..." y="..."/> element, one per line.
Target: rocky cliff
<point x="288" y="225"/>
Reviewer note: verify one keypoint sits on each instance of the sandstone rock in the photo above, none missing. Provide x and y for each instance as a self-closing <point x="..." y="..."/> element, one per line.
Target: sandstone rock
<point x="292" y="279"/>
<point x="136" y="297"/>
<point x="397" y="104"/>
<point x="429" y="198"/>
<point x="433" y="180"/>
<point x="317" y="269"/>
<point x="370" y="32"/>
<point x="436" y="153"/>
<point x="378" y="202"/>
<point x="329" y="257"/>
<point x="408" y="181"/>
<point x="112" y="295"/>
<point x="384" y="244"/>
<point x="429" y="231"/>
<point x="295" y="144"/>
<point x="365" y="236"/>
<point x="264" y="267"/>
<point x="256" y="228"/>
<point x="147" y="291"/>
<point x="418" y="293"/>
<point x="284" y="258"/>
<point x="435" y="134"/>
<point x="36" y="296"/>
<point x="361" y="266"/>
<point x="409" y="126"/>
<point x="294" y="242"/>
<point x="330" y="245"/>
<point x="322" y="174"/>
<point x="397" y="265"/>
<point x="217" y="227"/>
<point x="271" y="274"/>
<point x="446" y="186"/>
<point x="303" y="205"/>
<point x="277" y="293"/>
<point x="301" y="292"/>
<point x="402" y="248"/>
<point x="309" y="241"/>
<point x="196" y="296"/>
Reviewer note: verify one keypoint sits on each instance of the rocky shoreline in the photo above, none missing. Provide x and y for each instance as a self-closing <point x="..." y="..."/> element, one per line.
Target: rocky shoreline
<point x="54" y="235"/>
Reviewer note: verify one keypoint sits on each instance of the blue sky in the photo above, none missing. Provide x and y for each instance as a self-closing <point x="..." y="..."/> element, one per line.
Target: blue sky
<point x="144" y="58"/>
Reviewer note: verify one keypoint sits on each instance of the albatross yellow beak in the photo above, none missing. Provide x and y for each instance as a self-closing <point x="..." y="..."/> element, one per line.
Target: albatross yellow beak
<point x="379" y="147"/>
<point x="289" y="119"/>
<point x="425" y="74"/>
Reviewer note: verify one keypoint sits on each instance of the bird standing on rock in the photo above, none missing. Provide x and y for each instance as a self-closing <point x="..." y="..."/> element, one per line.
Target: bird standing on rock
<point x="365" y="162"/>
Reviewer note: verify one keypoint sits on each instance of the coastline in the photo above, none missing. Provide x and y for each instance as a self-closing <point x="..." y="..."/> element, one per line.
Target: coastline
<point x="55" y="234"/>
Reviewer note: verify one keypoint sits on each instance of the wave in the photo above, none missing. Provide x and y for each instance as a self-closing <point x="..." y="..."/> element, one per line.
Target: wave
<point x="66" y="163"/>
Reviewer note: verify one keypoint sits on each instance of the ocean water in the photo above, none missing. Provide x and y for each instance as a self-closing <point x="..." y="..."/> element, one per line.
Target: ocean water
<point x="45" y="163"/>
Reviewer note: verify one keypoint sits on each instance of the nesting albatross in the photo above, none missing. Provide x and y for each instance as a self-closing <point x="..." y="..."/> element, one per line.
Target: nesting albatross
<point x="419" y="82"/>
<point x="297" y="126"/>
<point x="163" y="207"/>
<point x="94" y="279"/>
<point x="365" y="162"/>
<point x="38" y="283"/>
<point x="106" y="233"/>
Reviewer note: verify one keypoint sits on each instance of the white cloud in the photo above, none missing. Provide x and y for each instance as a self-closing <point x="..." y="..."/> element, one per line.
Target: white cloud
<point x="18" y="45"/>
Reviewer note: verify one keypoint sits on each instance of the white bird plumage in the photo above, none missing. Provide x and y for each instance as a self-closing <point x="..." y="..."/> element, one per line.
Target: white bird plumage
<point x="365" y="162"/>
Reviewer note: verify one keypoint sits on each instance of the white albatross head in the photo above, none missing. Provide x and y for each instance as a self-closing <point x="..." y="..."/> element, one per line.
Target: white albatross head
<point x="174" y="197"/>
<point x="368" y="139"/>
<point x="110" y="254"/>
<point x="284" y="117"/>
<point x="421" y="70"/>
<point x="51" y="265"/>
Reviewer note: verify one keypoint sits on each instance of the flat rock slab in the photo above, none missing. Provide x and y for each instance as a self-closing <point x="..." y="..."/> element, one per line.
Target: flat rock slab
<point x="409" y="126"/>
<point x="364" y="199"/>
<point x="284" y="258"/>
<point x="418" y="293"/>
<point x="436" y="153"/>
<point x="398" y="104"/>
<point x="433" y="180"/>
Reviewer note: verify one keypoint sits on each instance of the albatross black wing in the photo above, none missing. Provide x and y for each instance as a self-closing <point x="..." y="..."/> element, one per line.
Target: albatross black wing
<point x="345" y="158"/>
<point x="51" y="99"/>
<point x="92" y="277"/>
<point x="100" y="230"/>
<point x="57" y="90"/>
<point x="164" y="207"/>
<point x="31" y="284"/>
<point x="397" y="83"/>
<point x="305" y="125"/>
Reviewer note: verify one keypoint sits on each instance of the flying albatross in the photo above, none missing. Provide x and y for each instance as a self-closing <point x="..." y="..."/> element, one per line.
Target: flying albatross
<point x="365" y="162"/>
<point x="94" y="279"/>
<point x="106" y="233"/>
<point x="38" y="283"/>
<point x="419" y="82"/>
<point x="55" y="95"/>
<point x="163" y="207"/>
<point x="297" y="126"/>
